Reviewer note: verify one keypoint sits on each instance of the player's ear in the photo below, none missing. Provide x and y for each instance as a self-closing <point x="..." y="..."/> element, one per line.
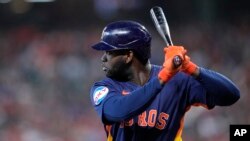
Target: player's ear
<point x="129" y="56"/>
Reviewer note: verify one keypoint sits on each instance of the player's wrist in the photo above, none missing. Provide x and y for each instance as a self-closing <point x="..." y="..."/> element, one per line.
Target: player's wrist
<point x="196" y="73"/>
<point x="190" y="68"/>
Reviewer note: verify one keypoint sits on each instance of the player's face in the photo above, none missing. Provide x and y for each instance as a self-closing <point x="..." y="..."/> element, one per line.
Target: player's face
<point x="114" y="64"/>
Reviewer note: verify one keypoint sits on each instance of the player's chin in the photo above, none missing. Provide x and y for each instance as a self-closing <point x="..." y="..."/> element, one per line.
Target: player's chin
<point x="105" y="69"/>
<point x="107" y="72"/>
<point x="110" y="74"/>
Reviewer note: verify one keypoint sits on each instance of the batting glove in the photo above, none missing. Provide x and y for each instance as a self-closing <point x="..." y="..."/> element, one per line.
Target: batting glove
<point x="188" y="66"/>
<point x="169" y="68"/>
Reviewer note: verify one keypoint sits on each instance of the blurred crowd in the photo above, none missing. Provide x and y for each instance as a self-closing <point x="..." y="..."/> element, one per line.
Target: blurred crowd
<point x="45" y="79"/>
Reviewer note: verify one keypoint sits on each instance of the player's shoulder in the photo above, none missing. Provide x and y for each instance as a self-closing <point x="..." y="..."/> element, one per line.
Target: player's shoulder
<point x="106" y="81"/>
<point x="101" y="89"/>
<point x="155" y="69"/>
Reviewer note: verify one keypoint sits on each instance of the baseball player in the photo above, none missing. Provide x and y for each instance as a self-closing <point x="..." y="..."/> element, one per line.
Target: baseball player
<point x="139" y="101"/>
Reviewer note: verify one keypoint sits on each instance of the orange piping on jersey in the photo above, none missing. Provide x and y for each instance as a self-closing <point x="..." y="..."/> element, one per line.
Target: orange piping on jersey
<point x="179" y="133"/>
<point x="108" y="130"/>
<point x="200" y="104"/>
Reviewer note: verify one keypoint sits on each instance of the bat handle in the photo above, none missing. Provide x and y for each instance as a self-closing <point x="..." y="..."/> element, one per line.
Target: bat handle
<point x="177" y="61"/>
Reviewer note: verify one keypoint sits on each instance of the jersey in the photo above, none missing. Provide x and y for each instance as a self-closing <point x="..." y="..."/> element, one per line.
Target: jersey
<point x="155" y="112"/>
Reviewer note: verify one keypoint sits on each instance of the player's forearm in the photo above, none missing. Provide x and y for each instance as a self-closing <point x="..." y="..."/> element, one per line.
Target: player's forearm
<point x="223" y="90"/>
<point x="196" y="73"/>
<point x="120" y="108"/>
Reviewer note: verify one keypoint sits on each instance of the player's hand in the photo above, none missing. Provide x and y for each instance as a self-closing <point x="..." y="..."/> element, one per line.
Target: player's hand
<point x="169" y="68"/>
<point x="188" y="66"/>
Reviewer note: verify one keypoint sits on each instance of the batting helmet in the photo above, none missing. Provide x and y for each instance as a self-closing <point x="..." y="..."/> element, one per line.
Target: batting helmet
<point x="126" y="35"/>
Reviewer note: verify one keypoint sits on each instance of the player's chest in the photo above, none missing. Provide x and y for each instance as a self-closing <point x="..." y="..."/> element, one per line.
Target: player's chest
<point x="165" y="100"/>
<point x="158" y="113"/>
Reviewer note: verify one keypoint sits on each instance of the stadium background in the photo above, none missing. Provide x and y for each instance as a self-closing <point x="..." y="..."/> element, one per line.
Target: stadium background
<point x="47" y="66"/>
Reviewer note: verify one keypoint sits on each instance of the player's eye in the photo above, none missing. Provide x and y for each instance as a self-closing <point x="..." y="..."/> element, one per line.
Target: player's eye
<point x="109" y="52"/>
<point x="117" y="52"/>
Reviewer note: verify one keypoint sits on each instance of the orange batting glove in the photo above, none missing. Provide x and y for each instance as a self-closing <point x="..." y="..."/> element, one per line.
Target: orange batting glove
<point x="169" y="69"/>
<point x="188" y="66"/>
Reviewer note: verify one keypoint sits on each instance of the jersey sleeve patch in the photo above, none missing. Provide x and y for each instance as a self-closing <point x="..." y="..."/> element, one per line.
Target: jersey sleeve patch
<point x="99" y="94"/>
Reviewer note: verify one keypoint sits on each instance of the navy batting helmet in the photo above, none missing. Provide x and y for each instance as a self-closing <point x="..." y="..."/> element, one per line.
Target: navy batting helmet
<point x="126" y="35"/>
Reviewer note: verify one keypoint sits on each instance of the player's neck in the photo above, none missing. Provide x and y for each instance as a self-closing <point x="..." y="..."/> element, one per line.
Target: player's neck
<point x="141" y="73"/>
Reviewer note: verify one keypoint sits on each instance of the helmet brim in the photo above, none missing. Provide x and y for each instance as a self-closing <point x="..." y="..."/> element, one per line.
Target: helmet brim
<point x="103" y="46"/>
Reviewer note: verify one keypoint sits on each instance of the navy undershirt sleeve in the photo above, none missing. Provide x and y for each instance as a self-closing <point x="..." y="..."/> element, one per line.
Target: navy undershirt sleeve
<point x="221" y="90"/>
<point x="119" y="108"/>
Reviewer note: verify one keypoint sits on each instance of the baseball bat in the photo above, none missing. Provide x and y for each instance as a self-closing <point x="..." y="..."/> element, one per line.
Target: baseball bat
<point x="162" y="27"/>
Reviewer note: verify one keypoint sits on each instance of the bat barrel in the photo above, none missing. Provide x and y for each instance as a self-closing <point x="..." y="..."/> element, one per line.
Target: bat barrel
<point x="162" y="27"/>
<point x="158" y="12"/>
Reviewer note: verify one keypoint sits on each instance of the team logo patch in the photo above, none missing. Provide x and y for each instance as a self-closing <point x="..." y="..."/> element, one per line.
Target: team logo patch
<point x="99" y="94"/>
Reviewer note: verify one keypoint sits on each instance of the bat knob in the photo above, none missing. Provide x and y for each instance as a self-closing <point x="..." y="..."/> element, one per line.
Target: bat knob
<point x="177" y="61"/>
